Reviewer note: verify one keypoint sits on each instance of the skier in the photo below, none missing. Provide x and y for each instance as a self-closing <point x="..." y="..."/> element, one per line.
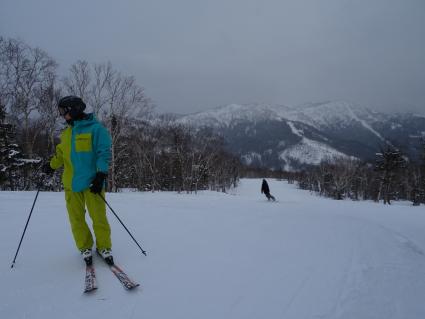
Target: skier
<point x="85" y="152"/>
<point x="266" y="190"/>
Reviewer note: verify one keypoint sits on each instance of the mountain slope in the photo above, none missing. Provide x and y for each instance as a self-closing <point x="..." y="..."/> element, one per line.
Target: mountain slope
<point x="279" y="136"/>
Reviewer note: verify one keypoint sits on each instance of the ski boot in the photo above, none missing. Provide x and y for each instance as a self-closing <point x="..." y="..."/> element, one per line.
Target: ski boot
<point x="87" y="256"/>
<point x="106" y="254"/>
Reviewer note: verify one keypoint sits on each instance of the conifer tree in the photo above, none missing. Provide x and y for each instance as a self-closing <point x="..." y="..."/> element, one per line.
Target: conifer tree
<point x="388" y="162"/>
<point x="10" y="153"/>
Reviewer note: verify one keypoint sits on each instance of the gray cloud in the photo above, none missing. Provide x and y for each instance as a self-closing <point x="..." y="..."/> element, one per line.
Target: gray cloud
<point x="191" y="54"/>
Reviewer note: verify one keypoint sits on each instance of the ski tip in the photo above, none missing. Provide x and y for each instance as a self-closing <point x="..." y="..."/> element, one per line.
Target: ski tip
<point x="133" y="286"/>
<point x="90" y="290"/>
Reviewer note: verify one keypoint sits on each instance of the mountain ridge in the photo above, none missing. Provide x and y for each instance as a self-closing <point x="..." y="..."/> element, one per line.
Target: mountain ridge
<point x="288" y="137"/>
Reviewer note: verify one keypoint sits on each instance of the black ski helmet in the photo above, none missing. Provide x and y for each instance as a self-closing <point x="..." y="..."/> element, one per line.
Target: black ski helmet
<point x="71" y="104"/>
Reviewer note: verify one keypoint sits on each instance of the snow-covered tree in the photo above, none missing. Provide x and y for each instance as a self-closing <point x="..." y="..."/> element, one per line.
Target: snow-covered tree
<point x="10" y="153"/>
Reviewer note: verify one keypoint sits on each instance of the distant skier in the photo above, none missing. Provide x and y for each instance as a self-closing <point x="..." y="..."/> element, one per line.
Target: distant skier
<point x="266" y="190"/>
<point x="85" y="152"/>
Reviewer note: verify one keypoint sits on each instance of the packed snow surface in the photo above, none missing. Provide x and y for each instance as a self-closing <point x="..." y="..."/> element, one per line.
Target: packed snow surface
<point x="215" y="255"/>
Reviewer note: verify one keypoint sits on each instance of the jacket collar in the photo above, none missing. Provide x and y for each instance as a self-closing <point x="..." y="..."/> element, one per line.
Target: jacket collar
<point x="89" y="119"/>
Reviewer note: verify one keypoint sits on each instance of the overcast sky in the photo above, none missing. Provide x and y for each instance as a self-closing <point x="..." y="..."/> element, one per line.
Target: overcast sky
<point x="192" y="55"/>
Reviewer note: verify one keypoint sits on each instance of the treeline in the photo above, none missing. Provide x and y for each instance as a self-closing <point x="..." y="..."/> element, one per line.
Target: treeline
<point x="391" y="177"/>
<point x="147" y="153"/>
<point x="166" y="156"/>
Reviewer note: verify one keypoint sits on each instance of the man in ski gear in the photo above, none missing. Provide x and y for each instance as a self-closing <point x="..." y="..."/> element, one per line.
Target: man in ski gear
<point x="85" y="152"/>
<point x="266" y="190"/>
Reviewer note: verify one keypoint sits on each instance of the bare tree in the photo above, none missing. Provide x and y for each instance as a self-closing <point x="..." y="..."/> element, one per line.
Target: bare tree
<point x="4" y="72"/>
<point x="166" y="156"/>
<point x="78" y="81"/>
<point x="98" y="98"/>
<point x="206" y="147"/>
<point x="342" y="173"/>
<point x="27" y="70"/>
<point x="49" y="97"/>
<point x="126" y="99"/>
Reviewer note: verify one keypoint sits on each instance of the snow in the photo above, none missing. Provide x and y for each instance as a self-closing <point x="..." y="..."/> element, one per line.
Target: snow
<point x="12" y="153"/>
<point x="318" y="115"/>
<point x="334" y="113"/>
<point x="215" y="255"/>
<point x="30" y="161"/>
<point x="311" y="152"/>
<point x="308" y="151"/>
<point x="395" y="126"/>
<point x="251" y="157"/>
<point x="224" y="116"/>
<point x="294" y="130"/>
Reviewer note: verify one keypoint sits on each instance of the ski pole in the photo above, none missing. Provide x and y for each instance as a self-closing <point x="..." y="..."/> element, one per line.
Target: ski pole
<point x="25" y="229"/>
<point x="143" y="252"/>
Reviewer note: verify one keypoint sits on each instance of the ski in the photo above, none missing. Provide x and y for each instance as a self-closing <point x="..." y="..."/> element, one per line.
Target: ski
<point x="123" y="277"/>
<point x="119" y="273"/>
<point x="90" y="279"/>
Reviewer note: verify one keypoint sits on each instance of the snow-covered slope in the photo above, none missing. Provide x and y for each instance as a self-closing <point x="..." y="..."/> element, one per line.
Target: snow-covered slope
<point x="334" y="114"/>
<point x="310" y="152"/>
<point x="318" y="115"/>
<point x="216" y="255"/>
<point x="225" y="116"/>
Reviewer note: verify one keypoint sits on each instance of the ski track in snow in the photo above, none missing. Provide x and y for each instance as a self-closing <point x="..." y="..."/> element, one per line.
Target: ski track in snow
<point x="215" y="255"/>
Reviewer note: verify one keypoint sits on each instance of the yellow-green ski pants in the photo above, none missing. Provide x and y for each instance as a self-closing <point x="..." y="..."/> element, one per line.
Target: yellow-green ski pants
<point x="76" y="203"/>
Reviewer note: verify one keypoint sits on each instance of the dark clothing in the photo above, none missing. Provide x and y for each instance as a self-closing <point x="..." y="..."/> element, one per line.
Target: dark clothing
<point x="265" y="187"/>
<point x="266" y="190"/>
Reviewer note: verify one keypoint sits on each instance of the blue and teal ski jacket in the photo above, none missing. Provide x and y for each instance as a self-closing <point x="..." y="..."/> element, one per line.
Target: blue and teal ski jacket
<point x="84" y="150"/>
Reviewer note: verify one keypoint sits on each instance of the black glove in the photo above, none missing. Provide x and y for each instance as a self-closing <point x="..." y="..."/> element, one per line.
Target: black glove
<point x="98" y="183"/>
<point x="47" y="169"/>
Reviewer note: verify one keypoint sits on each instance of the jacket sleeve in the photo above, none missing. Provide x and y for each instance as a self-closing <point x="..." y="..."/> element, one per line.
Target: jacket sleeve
<point x="103" y="149"/>
<point x="57" y="160"/>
